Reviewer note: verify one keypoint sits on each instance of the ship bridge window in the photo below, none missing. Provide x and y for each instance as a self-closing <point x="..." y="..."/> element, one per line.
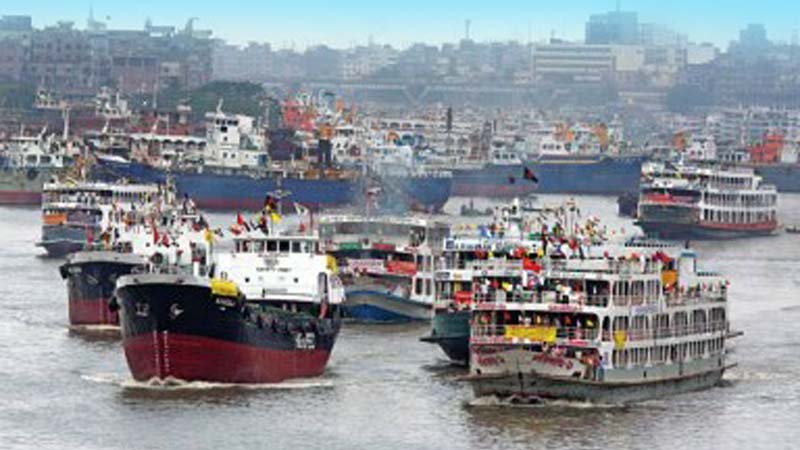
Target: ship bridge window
<point x="258" y="246"/>
<point x="284" y="246"/>
<point x="296" y="247"/>
<point x="272" y="246"/>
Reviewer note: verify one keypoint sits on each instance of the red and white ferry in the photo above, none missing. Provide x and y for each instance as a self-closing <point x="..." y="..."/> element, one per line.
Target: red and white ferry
<point x="705" y="202"/>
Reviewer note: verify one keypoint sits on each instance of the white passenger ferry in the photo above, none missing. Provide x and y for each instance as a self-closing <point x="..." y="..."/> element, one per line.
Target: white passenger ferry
<point x="678" y="201"/>
<point x="636" y="323"/>
<point x="76" y="214"/>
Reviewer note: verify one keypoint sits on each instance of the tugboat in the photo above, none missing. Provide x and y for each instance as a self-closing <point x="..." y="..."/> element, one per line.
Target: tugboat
<point x="79" y="214"/>
<point x="92" y="273"/>
<point x="266" y="312"/>
<point x="637" y="323"/>
<point x="28" y="162"/>
<point x="694" y="202"/>
<point x="387" y="264"/>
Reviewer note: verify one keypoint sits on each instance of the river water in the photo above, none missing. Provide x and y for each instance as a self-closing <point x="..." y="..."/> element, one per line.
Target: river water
<point x="383" y="388"/>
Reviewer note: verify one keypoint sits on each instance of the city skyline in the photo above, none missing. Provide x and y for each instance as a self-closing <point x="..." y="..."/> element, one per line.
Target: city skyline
<point x="352" y="23"/>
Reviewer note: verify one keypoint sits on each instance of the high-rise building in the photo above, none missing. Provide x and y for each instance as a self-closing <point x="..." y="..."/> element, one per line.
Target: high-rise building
<point x="615" y="27"/>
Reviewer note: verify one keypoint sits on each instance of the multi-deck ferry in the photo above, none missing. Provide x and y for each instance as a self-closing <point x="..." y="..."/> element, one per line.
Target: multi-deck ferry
<point x="636" y="323"/>
<point x="517" y="240"/>
<point x="683" y="202"/>
<point x="79" y="214"/>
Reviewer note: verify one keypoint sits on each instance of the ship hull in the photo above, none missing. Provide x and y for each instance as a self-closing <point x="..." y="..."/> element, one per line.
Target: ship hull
<point x="22" y="187"/>
<point x="377" y="304"/>
<point x="523" y="375"/>
<point x="174" y="328"/>
<point x="61" y="240"/>
<point x="601" y="176"/>
<point x="699" y="231"/>
<point x="20" y="198"/>
<point x="785" y="177"/>
<point x="428" y="194"/>
<point x="450" y="331"/>
<point x="533" y="387"/>
<point x="218" y="191"/>
<point x="91" y="281"/>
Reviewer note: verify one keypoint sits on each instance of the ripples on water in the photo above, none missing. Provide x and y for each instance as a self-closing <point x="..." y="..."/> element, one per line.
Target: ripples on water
<point x="68" y="389"/>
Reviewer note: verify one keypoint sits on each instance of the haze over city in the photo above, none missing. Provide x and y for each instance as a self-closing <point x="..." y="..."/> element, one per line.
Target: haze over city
<point x="345" y="23"/>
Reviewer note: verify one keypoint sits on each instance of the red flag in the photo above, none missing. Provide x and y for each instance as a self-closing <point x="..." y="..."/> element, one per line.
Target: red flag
<point x="155" y="234"/>
<point x="529" y="175"/>
<point x="529" y="264"/>
<point x="239" y="219"/>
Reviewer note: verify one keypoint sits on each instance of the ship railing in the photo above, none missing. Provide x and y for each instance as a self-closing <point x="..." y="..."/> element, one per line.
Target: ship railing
<point x="669" y="332"/>
<point x="502" y="296"/>
<point x="578" y="299"/>
<point x="632" y="300"/>
<point x="612" y="266"/>
<point x="692" y="297"/>
<point x="540" y="333"/>
<point x="494" y="265"/>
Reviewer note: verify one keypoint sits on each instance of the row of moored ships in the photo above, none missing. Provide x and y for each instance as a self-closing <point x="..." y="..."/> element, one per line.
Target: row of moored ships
<point x="237" y="161"/>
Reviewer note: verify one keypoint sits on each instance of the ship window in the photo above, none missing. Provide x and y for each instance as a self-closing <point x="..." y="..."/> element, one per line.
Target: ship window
<point x="295" y="247"/>
<point x="418" y="286"/>
<point x="428" y="287"/>
<point x="284" y="246"/>
<point x="272" y="246"/>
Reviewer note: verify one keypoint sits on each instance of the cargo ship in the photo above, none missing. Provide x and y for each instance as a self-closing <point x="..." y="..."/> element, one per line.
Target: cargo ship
<point x="230" y="168"/>
<point x="591" y="175"/>
<point x="92" y="273"/>
<point x="679" y="201"/>
<point x="91" y="280"/>
<point x="26" y="164"/>
<point x="265" y="312"/>
<point x="386" y="264"/>
<point x="634" y="324"/>
<point x="551" y="166"/>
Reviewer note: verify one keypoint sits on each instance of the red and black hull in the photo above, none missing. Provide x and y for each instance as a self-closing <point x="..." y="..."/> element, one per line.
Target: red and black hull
<point x="173" y="326"/>
<point x="704" y="230"/>
<point x="20" y="197"/>
<point x="91" y="280"/>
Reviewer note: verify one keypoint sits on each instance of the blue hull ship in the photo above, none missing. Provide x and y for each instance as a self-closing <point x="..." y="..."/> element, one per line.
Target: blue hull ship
<point x="229" y="191"/>
<point x="785" y="177"/>
<point x="601" y="175"/>
<point x="380" y="305"/>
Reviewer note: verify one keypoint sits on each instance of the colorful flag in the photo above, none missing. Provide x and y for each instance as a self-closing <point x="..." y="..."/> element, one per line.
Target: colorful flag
<point x="529" y="175"/>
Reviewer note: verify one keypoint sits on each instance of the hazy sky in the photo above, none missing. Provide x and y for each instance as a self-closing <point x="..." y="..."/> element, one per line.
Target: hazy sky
<point x="341" y="23"/>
